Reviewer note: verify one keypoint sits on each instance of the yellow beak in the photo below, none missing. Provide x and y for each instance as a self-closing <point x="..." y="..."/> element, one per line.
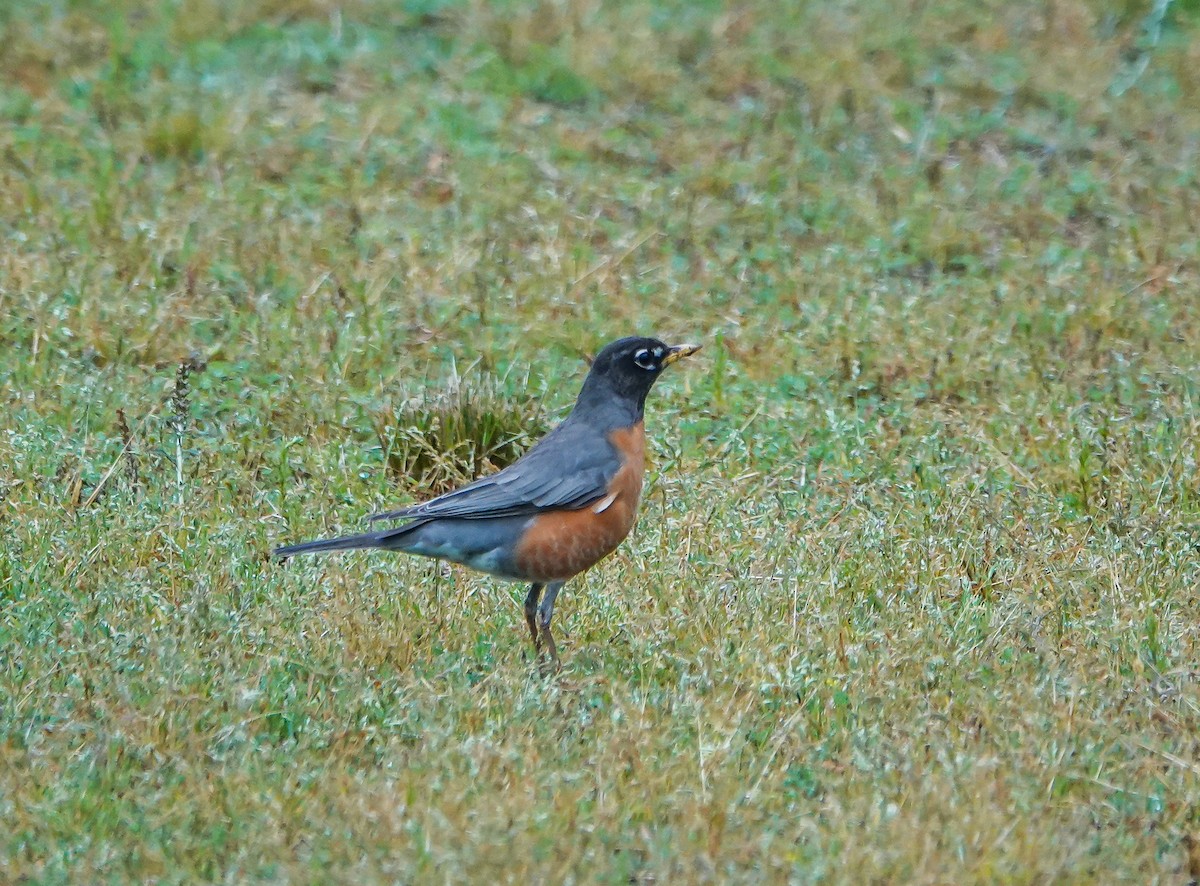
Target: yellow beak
<point x="678" y="352"/>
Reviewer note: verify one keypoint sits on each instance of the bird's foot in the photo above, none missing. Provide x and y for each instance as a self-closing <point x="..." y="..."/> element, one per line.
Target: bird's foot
<point x="548" y="658"/>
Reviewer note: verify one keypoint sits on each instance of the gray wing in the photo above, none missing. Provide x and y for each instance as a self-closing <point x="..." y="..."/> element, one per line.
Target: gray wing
<point x="569" y="468"/>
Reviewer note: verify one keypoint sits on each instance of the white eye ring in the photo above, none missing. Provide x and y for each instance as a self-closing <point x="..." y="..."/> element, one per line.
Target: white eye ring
<point x="644" y="359"/>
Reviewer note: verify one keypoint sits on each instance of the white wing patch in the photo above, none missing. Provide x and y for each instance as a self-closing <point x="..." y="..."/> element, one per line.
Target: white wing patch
<point x="603" y="504"/>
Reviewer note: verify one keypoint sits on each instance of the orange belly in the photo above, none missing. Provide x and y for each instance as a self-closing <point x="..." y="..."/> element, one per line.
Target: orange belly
<point x="562" y="544"/>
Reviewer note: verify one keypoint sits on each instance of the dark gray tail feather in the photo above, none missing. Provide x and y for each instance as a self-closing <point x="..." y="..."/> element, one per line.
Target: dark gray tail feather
<point x="347" y="543"/>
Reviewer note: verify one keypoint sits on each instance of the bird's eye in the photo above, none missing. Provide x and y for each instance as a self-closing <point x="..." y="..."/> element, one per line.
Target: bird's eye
<point x="645" y="359"/>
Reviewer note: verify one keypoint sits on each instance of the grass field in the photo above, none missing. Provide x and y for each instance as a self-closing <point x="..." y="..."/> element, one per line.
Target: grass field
<point x="913" y="595"/>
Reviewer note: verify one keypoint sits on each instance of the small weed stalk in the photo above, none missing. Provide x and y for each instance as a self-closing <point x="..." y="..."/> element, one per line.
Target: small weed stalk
<point x="132" y="463"/>
<point x="180" y="414"/>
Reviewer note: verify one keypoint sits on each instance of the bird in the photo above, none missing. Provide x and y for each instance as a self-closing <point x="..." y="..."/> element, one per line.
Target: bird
<point x="555" y="512"/>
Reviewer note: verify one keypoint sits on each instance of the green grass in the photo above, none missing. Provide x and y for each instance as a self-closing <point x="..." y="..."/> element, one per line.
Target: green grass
<point x="912" y="597"/>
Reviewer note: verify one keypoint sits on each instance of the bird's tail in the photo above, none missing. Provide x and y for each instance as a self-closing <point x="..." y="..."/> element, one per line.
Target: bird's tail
<point x="346" y="543"/>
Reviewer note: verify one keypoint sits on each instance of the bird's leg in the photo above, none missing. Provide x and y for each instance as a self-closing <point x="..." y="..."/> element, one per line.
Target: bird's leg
<point x="545" y="614"/>
<point x="531" y="605"/>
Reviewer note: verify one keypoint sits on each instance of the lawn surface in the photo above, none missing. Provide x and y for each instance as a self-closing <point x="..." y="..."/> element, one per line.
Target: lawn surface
<point x="913" y="595"/>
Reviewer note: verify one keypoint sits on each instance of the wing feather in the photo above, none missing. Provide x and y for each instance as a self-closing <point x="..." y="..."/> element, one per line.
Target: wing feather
<point x="569" y="468"/>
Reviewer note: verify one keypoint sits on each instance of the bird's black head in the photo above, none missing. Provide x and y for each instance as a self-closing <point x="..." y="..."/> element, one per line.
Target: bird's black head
<point x="624" y="371"/>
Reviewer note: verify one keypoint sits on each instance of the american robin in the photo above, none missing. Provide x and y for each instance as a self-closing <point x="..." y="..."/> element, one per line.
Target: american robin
<point x="556" y="511"/>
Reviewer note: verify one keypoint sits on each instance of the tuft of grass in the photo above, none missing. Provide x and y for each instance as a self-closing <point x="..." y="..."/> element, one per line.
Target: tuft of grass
<point x="451" y="433"/>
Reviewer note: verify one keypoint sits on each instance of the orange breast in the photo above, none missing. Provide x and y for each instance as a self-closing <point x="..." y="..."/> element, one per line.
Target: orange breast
<point x="561" y="544"/>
